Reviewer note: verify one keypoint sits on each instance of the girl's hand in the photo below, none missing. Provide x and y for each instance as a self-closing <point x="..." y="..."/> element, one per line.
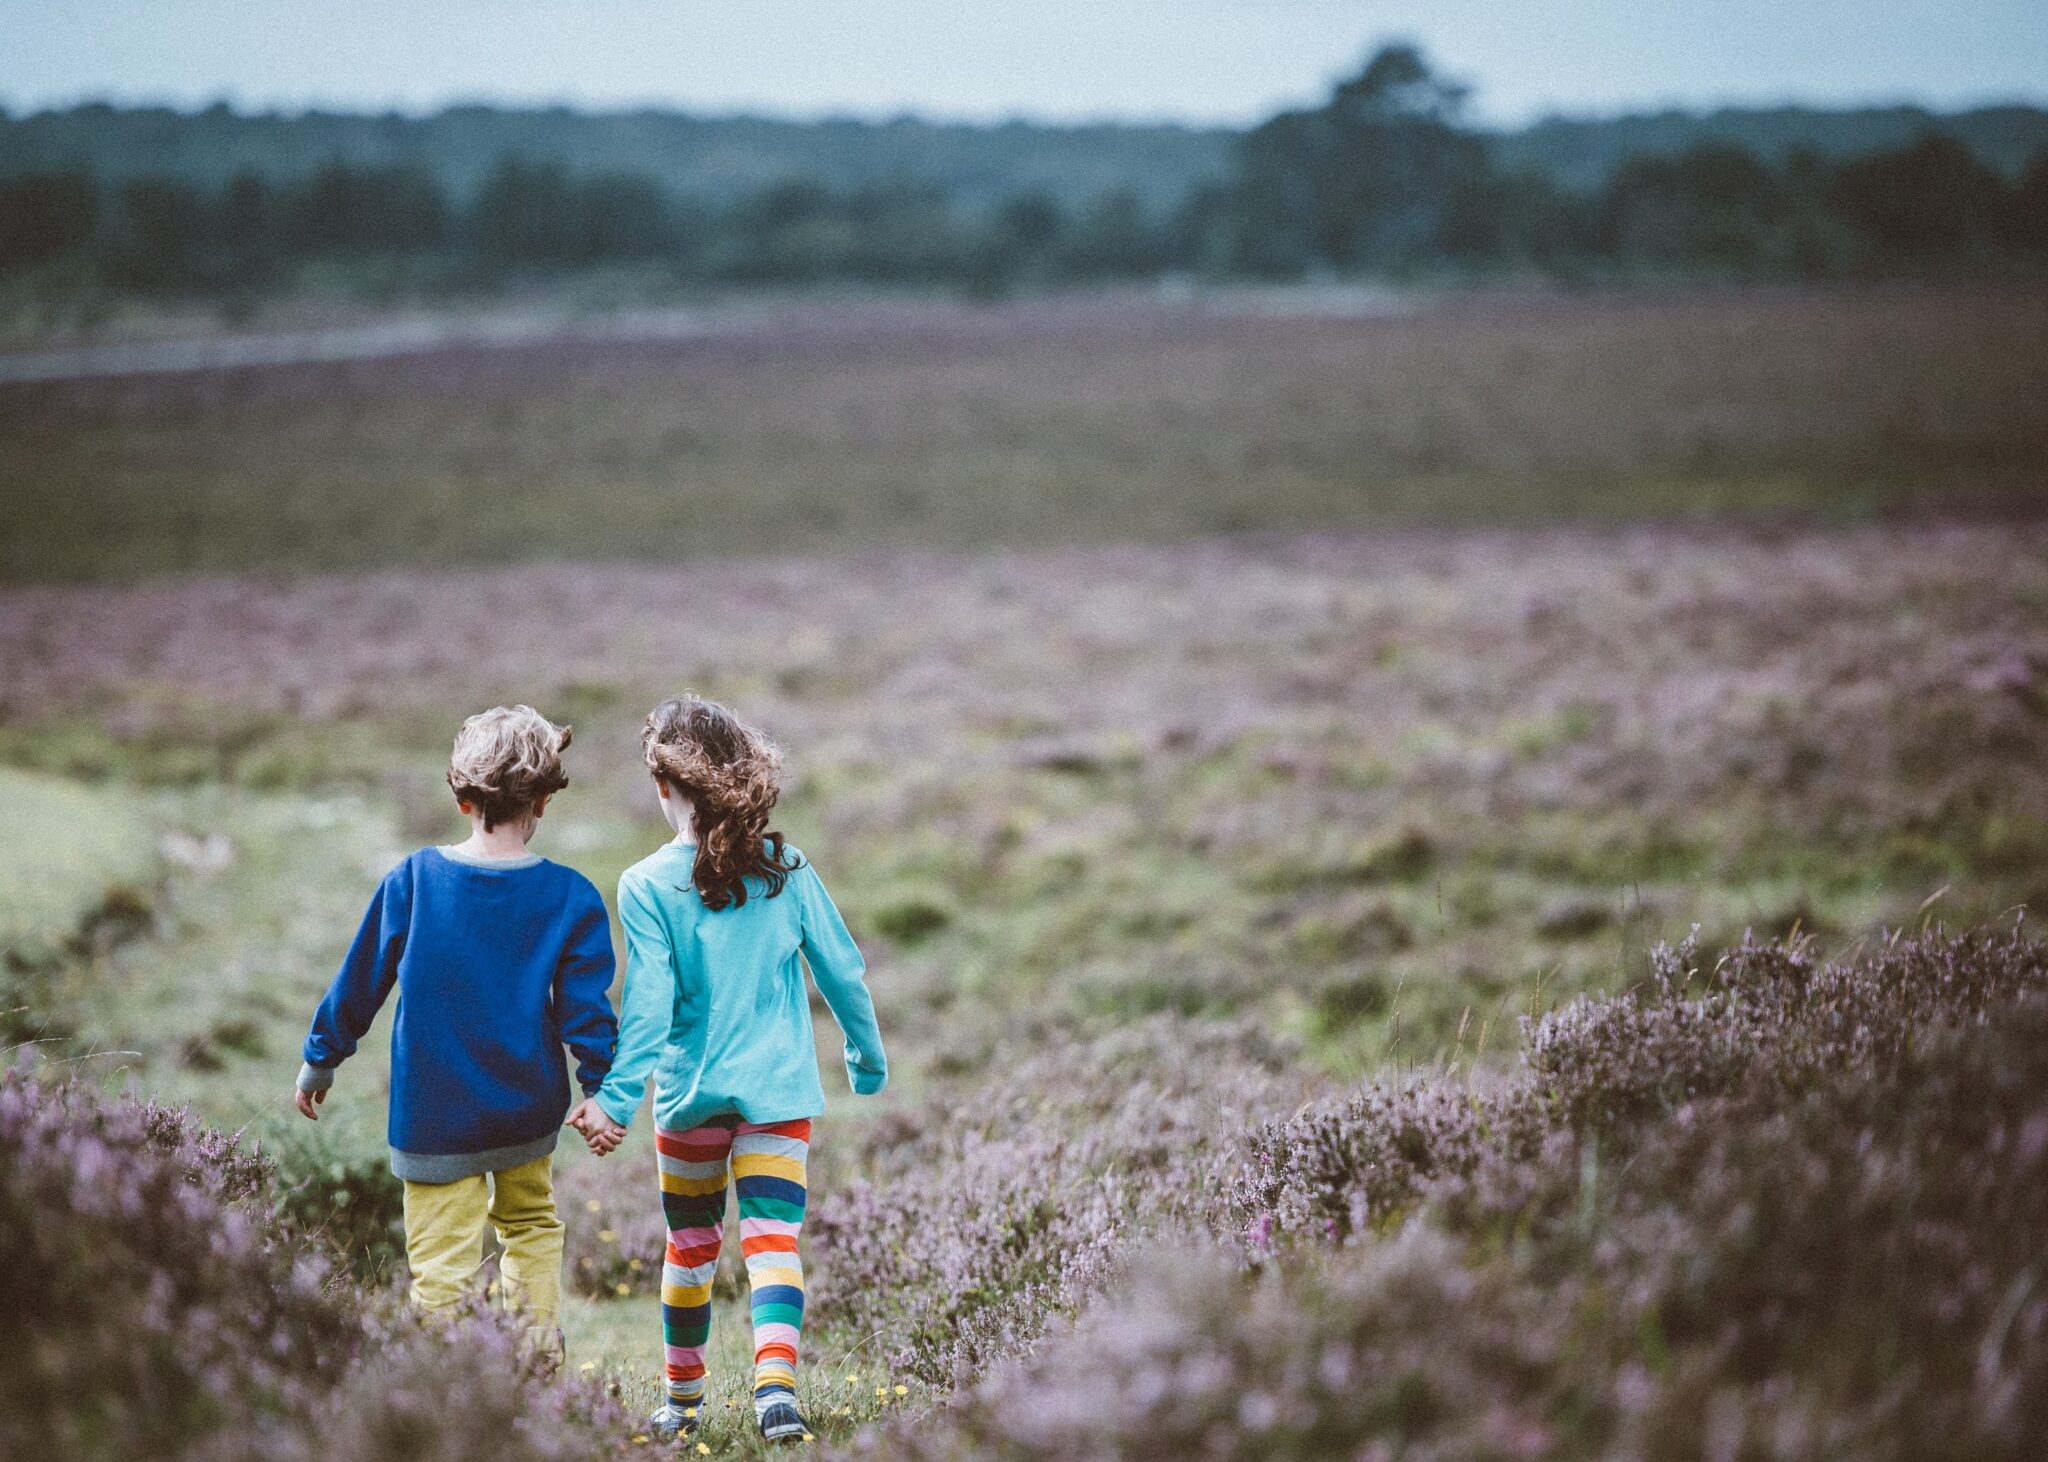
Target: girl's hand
<point x="307" y="1100"/>
<point x="600" y="1133"/>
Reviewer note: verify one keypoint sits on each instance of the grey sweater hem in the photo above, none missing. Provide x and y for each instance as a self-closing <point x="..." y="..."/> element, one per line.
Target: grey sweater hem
<point x="453" y="1167"/>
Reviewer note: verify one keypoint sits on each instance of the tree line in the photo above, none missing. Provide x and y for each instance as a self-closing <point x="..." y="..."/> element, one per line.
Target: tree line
<point x="1384" y="179"/>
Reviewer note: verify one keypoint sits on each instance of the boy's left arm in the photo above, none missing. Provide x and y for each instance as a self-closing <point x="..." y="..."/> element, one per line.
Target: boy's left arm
<point x="583" y="985"/>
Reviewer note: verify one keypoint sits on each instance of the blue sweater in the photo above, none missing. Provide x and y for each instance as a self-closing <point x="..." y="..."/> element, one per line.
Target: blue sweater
<point x="497" y="966"/>
<point x="715" y="1009"/>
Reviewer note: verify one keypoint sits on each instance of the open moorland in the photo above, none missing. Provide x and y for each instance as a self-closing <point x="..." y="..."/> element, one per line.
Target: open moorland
<point x="1265" y="924"/>
<point x="941" y="426"/>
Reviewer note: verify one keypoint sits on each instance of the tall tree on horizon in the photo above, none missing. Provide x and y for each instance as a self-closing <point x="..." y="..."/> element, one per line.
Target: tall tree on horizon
<point x="1368" y="180"/>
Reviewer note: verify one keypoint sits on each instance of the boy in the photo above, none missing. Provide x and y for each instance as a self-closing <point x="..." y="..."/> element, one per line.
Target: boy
<point x="500" y="958"/>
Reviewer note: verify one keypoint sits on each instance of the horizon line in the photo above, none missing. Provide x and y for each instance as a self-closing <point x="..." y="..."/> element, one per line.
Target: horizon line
<point x="12" y="111"/>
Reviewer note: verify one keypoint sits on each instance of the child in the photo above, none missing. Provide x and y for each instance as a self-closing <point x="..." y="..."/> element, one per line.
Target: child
<point x="499" y="957"/>
<point x="715" y="1009"/>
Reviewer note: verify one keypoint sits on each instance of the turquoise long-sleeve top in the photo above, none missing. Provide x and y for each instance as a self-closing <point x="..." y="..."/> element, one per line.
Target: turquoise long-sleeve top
<point x="715" y="1008"/>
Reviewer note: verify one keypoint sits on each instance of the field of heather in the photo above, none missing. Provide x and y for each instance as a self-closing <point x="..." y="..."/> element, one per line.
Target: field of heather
<point x="1525" y="954"/>
<point x="888" y="426"/>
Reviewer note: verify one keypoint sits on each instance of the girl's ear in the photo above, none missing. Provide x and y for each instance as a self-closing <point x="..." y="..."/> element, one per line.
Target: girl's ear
<point x="661" y="789"/>
<point x="540" y="807"/>
<point x="464" y="808"/>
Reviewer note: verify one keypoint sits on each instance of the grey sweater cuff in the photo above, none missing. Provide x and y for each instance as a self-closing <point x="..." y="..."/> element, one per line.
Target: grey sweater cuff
<point x="315" y="1078"/>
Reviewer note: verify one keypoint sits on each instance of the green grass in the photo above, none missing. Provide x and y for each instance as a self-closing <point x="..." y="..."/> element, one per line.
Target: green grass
<point x="78" y="875"/>
<point x="839" y="1387"/>
<point x="66" y="849"/>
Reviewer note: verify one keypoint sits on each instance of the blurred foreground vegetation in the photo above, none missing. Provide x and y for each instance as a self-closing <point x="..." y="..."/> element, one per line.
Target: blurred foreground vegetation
<point x="1778" y="1205"/>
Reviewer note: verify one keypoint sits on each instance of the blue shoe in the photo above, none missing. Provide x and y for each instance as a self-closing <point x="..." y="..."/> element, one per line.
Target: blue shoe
<point x="782" y="1422"/>
<point x="671" y="1422"/>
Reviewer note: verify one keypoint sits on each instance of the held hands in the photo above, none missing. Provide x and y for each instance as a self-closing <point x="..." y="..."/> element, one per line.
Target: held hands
<point x="600" y="1133"/>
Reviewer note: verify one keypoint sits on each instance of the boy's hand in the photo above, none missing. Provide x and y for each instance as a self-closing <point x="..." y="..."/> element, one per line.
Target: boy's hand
<point x="600" y="1133"/>
<point x="307" y="1100"/>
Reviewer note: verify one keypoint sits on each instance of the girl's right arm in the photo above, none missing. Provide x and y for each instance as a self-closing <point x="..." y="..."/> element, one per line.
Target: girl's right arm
<point x="646" y="1008"/>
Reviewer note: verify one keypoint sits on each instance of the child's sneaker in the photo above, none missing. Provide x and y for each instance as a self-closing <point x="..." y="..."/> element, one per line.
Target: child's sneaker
<point x="671" y="1422"/>
<point x="782" y="1422"/>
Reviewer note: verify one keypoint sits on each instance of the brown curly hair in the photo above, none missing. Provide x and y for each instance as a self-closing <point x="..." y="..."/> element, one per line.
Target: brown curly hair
<point x="731" y="774"/>
<point x="505" y="760"/>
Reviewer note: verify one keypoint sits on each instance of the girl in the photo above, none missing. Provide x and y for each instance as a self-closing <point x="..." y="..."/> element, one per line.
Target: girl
<point x="715" y="1009"/>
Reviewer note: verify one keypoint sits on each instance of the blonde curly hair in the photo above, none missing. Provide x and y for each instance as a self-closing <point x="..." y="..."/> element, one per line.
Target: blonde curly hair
<point x="505" y="760"/>
<point x="732" y="775"/>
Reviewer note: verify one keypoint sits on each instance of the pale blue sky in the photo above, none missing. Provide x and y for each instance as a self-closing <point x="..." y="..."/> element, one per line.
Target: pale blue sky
<point x="1199" y="60"/>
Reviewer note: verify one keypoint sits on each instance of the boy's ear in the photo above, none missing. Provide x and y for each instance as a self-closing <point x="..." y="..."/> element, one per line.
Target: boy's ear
<point x="463" y="807"/>
<point x="540" y="805"/>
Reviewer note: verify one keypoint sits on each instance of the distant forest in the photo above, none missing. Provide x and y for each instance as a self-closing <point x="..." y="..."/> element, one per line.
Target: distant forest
<point x="1386" y="179"/>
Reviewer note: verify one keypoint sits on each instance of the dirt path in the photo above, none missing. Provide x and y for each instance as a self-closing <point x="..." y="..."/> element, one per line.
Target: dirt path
<point x="366" y="342"/>
<point x="427" y="334"/>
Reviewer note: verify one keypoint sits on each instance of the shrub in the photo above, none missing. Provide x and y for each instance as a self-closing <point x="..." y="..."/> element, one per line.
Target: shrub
<point x="439" y="1392"/>
<point x="976" y="1224"/>
<point x="1362" y="1164"/>
<point x="1191" y="1359"/>
<point x="911" y="919"/>
<point x="161" y="1307"/>
<point x="1792" y="1210"/>
<point x="349" y="1201"/>
<point x="149" y="1293"/>
<point x="1770" y="1017"/>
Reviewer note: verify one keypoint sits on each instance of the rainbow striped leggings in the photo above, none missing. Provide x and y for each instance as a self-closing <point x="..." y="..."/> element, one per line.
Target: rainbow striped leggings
<point x="767" y="1166"/>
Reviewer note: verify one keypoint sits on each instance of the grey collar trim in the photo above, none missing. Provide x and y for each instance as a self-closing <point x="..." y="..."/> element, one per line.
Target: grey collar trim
<point x="456" y="855"/>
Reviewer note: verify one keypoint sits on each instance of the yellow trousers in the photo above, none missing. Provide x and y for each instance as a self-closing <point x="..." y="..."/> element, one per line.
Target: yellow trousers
<point x="444" y="1232"/>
